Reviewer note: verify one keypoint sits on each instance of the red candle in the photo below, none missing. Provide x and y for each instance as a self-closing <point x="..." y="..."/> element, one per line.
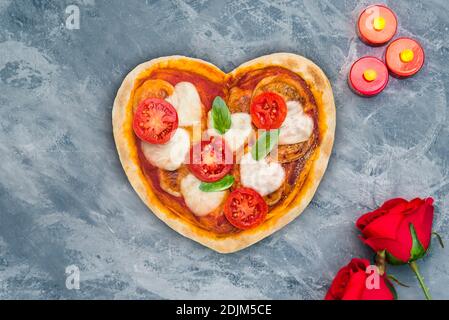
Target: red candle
<point x="404" y="57"/>
<point x="368" y="76"/>
<point x="377" y="25"/>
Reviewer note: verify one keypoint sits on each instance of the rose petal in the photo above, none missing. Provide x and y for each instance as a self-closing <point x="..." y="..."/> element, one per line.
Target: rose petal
<point x="356" y="286"/>
<point x="385" y="226"/>
<point x="357" y="264"/>
<point x="369" y="217"/>
<point x="422" y="219"/>
<point x="399" y="250"/>
<point x="425" y="232"/>
<point x="389" y="204"/>
<point x="413" y="205"/>
<point x="340" y="283"/>
<point x="338" y="286"/>
<point x="381" y="293"/>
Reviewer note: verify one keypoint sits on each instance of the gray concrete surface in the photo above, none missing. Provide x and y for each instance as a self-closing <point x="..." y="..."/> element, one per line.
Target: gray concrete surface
<point x="65" y="200"/>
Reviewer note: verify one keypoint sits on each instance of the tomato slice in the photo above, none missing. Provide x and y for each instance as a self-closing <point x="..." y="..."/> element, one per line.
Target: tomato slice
<point x="268" y="110"/>
<point x="155" y="121"/>
<point x="245" y="208"/>
<point x="210" y="160"/>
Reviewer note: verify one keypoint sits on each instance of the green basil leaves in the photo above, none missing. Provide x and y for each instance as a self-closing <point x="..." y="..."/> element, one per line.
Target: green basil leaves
<point x="265" y="144"/>
<point x="221" y="122"/>
<point x="220" y="185"/>
<point x="221" y="116"/>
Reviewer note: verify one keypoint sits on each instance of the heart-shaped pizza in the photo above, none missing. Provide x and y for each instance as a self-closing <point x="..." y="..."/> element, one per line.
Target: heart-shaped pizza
<point x="225" y="159"/>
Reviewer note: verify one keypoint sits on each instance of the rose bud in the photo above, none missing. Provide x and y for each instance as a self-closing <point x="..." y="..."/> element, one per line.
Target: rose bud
<point x="402" y="228"/>
<point x="353" y="282"/>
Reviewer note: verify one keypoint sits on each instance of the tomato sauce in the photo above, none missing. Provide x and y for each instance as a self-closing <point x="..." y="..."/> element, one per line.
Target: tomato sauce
<point x="249" y="81"/>
<point x="208" y="90"/>
<point x="176" y="204"/>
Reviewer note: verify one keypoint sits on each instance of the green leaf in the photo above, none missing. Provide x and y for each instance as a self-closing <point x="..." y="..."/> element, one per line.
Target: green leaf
<point x="392" y="277"/>
<point x="221" y="116"/>
<point x="219" y="185"/>
<point x="392" y="289"/>
<point x="393" y="260"/>
<point x="440" y="240"/>
<point x="265" y="144"/>
<point x="417" y="250"/>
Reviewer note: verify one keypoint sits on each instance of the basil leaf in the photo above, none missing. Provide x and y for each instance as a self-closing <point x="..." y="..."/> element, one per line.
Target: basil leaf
<point x="221" y="116"/>
<point x="265" y="144"/>
<point x="219" y="185"/>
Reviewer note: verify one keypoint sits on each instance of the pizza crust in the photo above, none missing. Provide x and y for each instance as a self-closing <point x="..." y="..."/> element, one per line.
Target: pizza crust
<point x="127" y="150"/>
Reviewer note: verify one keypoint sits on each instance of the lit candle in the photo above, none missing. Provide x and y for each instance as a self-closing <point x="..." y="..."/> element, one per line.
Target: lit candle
<point x="368" y="76"/>
<point x="377" y="25"/>
<point x="404" y="57"/>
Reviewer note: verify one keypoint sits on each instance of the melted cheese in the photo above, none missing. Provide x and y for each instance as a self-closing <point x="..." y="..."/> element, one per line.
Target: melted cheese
<point x="199" y="202"/>
<point x="238" y="134"/>
<point x="171" y="155"/>
<point x="297" y="127"/>
<point x="263" y="176"/>
<point x="186" y="100"/>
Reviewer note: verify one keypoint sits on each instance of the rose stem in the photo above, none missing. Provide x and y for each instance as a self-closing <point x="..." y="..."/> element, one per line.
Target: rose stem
<point x="414" y="266"/>
<point x="380" y="262"/>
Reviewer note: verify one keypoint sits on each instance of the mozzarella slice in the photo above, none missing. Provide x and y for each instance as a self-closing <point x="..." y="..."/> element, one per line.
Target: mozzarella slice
<point x="199" y="202"/>
<point x="263" y="176"/>
<point x="171" y="155"/>
<point x="297" y="126"/>
<point x="186" y="100"/>
<point x="239" y="132"/>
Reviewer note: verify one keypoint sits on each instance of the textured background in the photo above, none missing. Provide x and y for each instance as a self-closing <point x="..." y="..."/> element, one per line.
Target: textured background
<point x="64" y="198"/>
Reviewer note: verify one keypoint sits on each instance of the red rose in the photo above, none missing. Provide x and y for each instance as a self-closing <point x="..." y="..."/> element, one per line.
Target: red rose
<point x="402" y="228"/>
<point x="350" y="283"/>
